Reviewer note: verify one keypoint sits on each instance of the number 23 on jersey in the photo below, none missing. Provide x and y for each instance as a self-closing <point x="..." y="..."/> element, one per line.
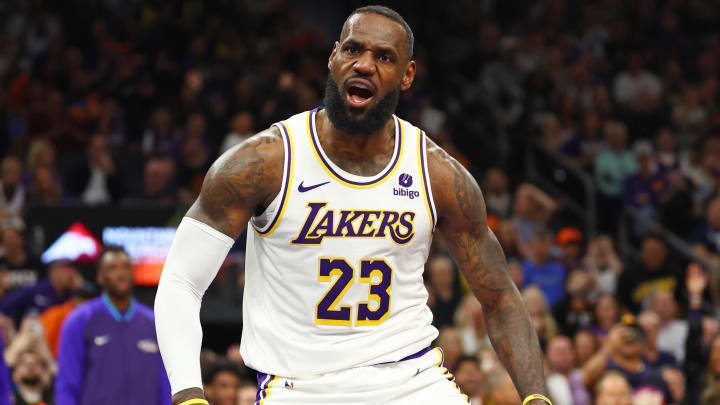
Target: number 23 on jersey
<point x="328" y="312"/>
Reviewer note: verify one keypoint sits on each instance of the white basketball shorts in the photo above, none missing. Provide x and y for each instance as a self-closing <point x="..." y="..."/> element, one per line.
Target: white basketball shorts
<point x="420" y="379"/>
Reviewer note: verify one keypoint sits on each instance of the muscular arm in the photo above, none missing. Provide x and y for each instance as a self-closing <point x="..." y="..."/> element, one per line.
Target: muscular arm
<point x="241" y="182"/>
<point x="463" y="226"/>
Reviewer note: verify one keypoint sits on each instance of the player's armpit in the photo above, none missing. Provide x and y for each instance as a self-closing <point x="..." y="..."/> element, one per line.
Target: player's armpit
<point x="241" y="182"/>
<point x="463" y="226"/>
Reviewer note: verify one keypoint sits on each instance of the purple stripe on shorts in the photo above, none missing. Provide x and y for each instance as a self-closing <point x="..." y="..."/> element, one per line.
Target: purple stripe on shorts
<point x="263" y="380"/>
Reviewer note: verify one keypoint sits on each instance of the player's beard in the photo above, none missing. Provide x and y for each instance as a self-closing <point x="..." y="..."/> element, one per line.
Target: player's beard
<point x="342" y="116"/>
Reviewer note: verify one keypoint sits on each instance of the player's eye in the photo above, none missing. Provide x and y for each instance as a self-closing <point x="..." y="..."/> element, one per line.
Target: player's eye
<point x="351" y="50"/>
<point x="385" y="58"/>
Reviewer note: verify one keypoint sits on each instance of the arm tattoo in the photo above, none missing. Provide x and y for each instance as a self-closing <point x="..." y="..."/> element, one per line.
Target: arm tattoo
<point x="480" y="257"/>
<point x="238" y="183"/>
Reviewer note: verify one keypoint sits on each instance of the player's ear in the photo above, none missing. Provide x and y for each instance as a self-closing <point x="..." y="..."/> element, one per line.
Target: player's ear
<point x="408" y="75"/>
<point x="332" y="55"/>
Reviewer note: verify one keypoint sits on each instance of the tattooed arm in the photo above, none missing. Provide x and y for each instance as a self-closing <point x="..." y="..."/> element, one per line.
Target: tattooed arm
<point x="462" y="223"/>
<point x="242" y="182"/>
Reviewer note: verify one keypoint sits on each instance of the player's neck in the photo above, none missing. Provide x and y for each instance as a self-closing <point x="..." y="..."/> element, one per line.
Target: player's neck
<point x="354" y="147"/>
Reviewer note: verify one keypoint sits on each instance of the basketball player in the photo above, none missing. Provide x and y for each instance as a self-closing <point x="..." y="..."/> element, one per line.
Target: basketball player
<point x="342" y="203"/>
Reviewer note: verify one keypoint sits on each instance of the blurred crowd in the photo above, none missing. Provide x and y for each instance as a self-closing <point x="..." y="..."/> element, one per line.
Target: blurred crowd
<point x="116" y="103"/>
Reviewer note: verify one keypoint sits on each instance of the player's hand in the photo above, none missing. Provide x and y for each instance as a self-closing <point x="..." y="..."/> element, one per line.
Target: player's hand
<point x="696" y="280"/>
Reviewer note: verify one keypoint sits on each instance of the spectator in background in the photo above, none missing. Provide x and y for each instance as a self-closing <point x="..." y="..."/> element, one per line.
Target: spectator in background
<point x="95" y="181"/>
<point x="498" y="198"/>
<point x="12" y="192"/>
<point x="644" y="190"/>
<point x="157" y="184"/>
<point x="45" y="188"/>
<point x="667" y="157"/>
<point x="585" y="345"/>
<point x="32" y="378"/>
<point x="537" y="307"/>
<point x="471" y="325"/>
<point x="650" y="323"/>
<point x="613" y="389"/>
<point x="705" y="239"/>
<point x="636" y="88"/>
<point x="63" y="278"/>
<point x="24" y="269"/>
<point x="654" y="272"/>
<point x="570" y="240"/>
<point x="108" y="350"/>
<point x="574" y="312"/>
<point x="690" y="115"/>
<point x="612" y="166"/>
<point x="702" y="363"/>
<point x="191" y="168"/>
<point x="500" y="388"/>
<point x="446" y="289"/>
<point x="673" y="331"/>
<point x="247" y="393"/>
<point x="470" y="379"/>
<point x="532" y="210"/>
<point x="607" y="314"/>
<point x="221" y="381"/>
<point x="586" y="143"/>
<point x="565" y="381"/>
<point x="161" y="138"/>
<point x="241" y="128"/>
<point x="451" y="344"/>
<point x="542" y="271"/>
<point x="603" y="264"/>
<point x="53" y="317"/>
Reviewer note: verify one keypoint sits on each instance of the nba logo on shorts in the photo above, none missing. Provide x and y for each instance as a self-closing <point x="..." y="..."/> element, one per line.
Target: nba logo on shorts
<point x="405" y="180"/>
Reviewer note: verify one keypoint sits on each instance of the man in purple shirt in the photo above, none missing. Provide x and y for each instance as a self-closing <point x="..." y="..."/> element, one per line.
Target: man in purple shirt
<point x="108" y="351"/>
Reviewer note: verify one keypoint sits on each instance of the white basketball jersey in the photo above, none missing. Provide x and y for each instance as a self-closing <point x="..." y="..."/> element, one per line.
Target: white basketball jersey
<point x="334" y="267"/>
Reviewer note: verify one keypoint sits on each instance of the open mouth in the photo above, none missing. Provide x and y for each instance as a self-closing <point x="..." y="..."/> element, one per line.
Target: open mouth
<point x="359" y="93"/>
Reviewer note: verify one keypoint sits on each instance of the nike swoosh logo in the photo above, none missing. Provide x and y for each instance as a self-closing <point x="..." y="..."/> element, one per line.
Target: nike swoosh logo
<point x="102" y="340"/>
<point x="303" y="189"/>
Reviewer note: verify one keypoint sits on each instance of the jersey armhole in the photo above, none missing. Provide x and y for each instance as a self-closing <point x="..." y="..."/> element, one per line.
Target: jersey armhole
<point x="265" y="223"/>
<point x="427" y="188"/>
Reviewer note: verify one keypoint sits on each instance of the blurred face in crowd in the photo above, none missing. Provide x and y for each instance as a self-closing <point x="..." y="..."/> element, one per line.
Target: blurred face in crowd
<point x="616" y="136"/>
<point x="97" y="146"/>
<point x="560" y="355"/>
<point x="591" y="124"/>
<point x="585" y="346"/>
<point x="246" y="395"/>
<point x="12" y="240"/>
<point x="157" y="176"/>
<point x="449" y="341"/>
<point x="64" y="277"/>
<point x="469" y="377"/>
<point x="654" y="253"/>
<point x="633" y="345"/>
<point x="606" y="311"/>
<point x="242" y="123"/>
<point x="31" y="371"/>
<point x="665" y="141"/>
<point x="115" y="274"/>
<point x="650" y="322"/>
<point x="369" y="66"/>
<point x="224" y="388"/>
<point x="497" y="181"/>
<point x="541" y="247"/>
<point x="613" y="390"/>
<point x="10" y="172"/>
<point x="664" y="305"/>
<point x="442" y="272"/>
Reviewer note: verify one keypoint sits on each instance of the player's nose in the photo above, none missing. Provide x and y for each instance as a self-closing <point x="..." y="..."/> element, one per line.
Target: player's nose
<point x="365" y="64"/>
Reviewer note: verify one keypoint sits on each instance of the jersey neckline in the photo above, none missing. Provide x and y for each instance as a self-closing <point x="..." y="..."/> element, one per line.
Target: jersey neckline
<point x="347" y="178"/>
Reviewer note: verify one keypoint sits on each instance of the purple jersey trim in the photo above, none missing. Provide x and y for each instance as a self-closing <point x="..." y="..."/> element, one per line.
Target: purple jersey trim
<point x="426" y="178"/>
<point x="320" y="153"/>
<point x="288" y="154"/>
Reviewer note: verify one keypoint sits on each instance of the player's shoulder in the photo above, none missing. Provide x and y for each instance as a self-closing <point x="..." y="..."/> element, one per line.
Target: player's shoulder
<point x="450" y="176"/>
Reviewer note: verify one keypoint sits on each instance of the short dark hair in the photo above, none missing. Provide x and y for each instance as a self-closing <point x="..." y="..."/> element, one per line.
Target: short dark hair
<point x="391" y="14"/>
<point x="111" y="249"/>
<point x="211" y="370"/>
